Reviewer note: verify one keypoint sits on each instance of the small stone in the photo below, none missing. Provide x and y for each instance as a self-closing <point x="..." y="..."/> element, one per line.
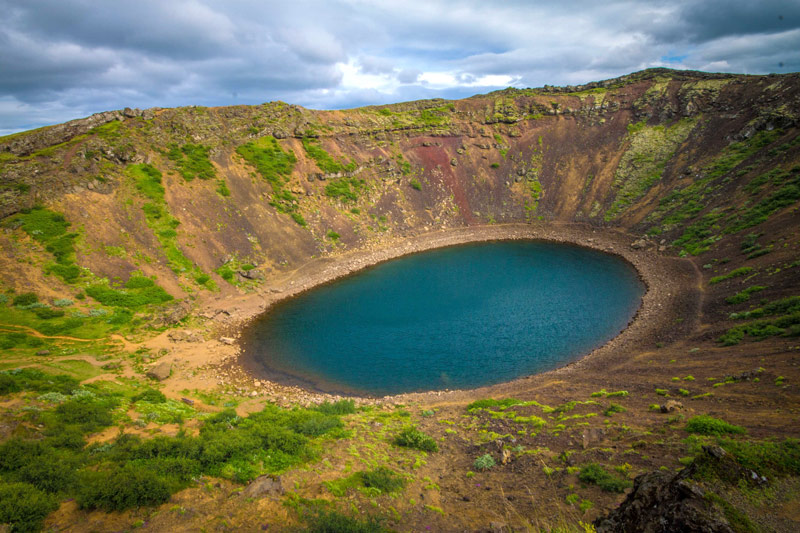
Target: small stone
<point x="43" y="352"/>
<point x="187" y="401"/>
<point x="671" y="406"/>
<point x="227" y="340"/>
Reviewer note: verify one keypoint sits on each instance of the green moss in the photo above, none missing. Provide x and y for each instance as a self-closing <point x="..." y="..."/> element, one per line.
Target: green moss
<point x="266" y="155"/>
<point x="595" y="474"/>
<point x="192" y="161"/>
<point x="641" y="166"/>
<point x="147" y="180"/>
<point x="345" y="189"/>
<point x="50" y="230"/>
<point x="324" y="161"/>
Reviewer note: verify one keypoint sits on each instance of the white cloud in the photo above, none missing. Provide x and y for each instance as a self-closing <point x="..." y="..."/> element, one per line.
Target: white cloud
<point x="67" y="58"/>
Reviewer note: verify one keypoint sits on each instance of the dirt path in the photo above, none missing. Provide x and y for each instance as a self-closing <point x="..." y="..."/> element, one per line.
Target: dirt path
<point x="34" y="333"/>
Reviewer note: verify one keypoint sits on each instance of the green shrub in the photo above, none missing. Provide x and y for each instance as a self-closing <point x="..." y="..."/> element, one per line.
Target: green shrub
<point x="24" y="507"/>
<point x="46" y="313"/>
<point x="411" y="437"/>
<point x="484" y="462"/>
<point x="327" y="521"/>
<point x="415" y="184"/>
<point x="316" y="424"/>
<point x="26" y="298"/>
<point x="341" y="407"/>
<point x="150" y="396"/>
<point x="30" y="379"/>
<point x="595" y="474"/>
<point x="122" y="488"/>
<point x="50" y="471"/>
<point x="707" y="425"/>
<point x="139" y="282"/>
<point x="613" y="408"/>
<point x="383" y="479"/>
<point x="90" y="415"/>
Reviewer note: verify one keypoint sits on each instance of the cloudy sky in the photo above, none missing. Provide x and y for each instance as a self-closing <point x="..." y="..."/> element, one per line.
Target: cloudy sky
<point x="64" y="59"/>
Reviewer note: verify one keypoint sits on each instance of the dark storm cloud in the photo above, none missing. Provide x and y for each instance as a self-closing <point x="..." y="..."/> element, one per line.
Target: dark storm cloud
<point x="700" y="22"/>
<point x="69" y="58"/>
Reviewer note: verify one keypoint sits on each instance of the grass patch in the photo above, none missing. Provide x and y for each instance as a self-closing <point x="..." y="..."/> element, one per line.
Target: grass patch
<point x="49" y="229"/>
<point x="595" y="474"/>
<point x="275" y="166"/>
<point x="323" y="159"/>
<point x="345" y="189"/>
<point x="743" y="295"/>
<point x="736" y="273"/>
<point x="128" y="298"/>
<point x="708" y="425"/>
<point x="375" y="482"/>
<point x="786" y="322"/>
<point x="147" y="180"/>
<point x="192" y="161"/>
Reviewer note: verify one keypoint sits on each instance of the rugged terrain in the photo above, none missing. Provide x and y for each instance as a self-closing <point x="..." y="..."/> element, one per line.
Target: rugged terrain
<point x="137" y="243"/>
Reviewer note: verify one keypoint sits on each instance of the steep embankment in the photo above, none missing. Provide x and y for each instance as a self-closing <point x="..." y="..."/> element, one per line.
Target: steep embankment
<point x="171" y="226"/>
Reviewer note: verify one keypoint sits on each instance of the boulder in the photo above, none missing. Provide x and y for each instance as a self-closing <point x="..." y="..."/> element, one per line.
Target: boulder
<point x="160" y="372"/>
<point x="227" y="340"/>
<point x="184" y="335"/>
<point x="264" y="486"/>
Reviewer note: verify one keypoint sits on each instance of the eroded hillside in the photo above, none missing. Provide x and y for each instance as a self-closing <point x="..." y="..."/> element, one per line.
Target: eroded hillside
<point x="127" y="235"/>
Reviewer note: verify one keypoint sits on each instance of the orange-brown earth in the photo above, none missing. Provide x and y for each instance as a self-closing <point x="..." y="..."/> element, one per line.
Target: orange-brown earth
<point x="681" y="157"/>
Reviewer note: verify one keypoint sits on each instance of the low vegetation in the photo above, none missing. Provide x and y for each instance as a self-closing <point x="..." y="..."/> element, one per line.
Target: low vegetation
<point x="192" y="161"/>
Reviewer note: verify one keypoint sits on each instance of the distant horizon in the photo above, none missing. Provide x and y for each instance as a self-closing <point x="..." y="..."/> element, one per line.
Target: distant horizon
<point x="402" y="101"/>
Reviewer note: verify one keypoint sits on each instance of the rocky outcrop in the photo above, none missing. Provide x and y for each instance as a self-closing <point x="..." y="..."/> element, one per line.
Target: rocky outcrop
<point x="51" y="135"/>
<point x="662" y="502"/>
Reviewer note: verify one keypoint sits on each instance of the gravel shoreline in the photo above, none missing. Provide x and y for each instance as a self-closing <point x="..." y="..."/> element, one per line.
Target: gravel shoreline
<point x="671" y="293"/>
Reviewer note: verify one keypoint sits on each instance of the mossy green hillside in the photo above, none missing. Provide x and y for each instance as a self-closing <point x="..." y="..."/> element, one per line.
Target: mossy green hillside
<point x="643" y="163"/>
<point x="148" y="182"/>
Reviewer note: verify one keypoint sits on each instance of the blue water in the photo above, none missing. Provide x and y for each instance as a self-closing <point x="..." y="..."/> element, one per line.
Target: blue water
<point x="457" y="317"/>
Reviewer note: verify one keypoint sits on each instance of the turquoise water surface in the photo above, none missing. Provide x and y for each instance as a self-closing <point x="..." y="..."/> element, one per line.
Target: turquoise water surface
<point x="457" y="317"/>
